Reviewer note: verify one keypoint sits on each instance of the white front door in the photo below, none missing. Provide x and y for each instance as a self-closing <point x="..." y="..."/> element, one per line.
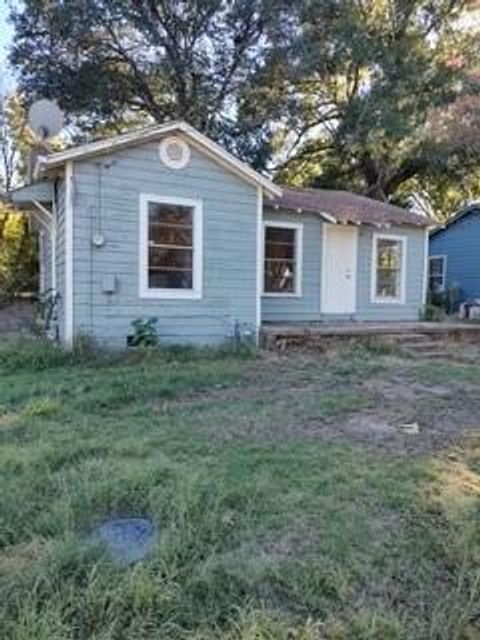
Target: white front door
<point x="339" y="269"/>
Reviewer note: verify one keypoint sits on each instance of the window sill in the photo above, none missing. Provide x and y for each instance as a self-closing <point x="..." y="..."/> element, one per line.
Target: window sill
<point x="398" y="301"/>
<point x="281" y="295"/>
<point x="170" y="294"/>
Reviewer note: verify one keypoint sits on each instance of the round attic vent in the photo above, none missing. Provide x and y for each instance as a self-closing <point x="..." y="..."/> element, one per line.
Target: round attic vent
<point x="174" y="152"/>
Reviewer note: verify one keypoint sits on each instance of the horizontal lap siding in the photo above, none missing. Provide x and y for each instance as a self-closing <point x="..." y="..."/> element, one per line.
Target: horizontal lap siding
<point x="229" y="248"/>
<point x="307" y="308"/>
<point x="460" y="243"/>
<point x="415" y="265"/>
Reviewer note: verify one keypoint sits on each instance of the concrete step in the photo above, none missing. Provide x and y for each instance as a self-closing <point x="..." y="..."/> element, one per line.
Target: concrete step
<point x="428" y="355"/>
<point x="421" y="347"/>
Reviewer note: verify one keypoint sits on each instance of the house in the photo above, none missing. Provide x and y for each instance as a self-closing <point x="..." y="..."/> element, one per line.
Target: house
<point x="163" y="222"/>
<point x="454" y="261"/>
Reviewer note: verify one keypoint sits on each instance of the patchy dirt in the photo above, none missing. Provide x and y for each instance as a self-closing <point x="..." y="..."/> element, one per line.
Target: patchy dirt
<point x="377" y="401"/>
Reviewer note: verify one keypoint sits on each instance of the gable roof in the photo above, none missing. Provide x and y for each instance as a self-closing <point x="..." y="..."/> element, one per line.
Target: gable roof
<point x="150" y="134"/>
<point x="465" y="211"/>
<point x="347" y="208"/>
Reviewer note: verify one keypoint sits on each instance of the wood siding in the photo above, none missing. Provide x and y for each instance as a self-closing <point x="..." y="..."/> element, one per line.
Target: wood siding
<point x="460" y="242"/>
<point x="106" y="199"/>
<point x="307" y="308"/>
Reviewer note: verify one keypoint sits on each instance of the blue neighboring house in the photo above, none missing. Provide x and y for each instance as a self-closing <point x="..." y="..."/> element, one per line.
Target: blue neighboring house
<point x="165" y="223"/>
<point x="454" y="255"/>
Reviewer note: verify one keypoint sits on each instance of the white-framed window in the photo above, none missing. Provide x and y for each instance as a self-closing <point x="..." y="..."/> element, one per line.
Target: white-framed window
<point x="283" y="248"/>
<point x="437" y="273"/>
<point x="389" y="268"/>
<point x="171" y="247"/>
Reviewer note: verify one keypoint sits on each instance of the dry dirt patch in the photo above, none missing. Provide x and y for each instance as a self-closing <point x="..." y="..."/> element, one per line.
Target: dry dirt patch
<point x="377" y="402"/>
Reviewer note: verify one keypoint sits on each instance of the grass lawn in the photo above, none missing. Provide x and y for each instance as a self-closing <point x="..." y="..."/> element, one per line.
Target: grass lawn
<point x="293" y="498"/>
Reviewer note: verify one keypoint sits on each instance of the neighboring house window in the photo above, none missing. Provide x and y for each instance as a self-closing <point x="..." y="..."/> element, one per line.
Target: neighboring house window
<point x="170" y="247"/>
<point x="389" y="268"/>
<point x="437" y="273"/>
<point x="283" y="259"/>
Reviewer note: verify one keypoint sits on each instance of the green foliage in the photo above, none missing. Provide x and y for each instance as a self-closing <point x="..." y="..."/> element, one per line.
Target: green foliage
<point x="18" y="255"/>
<point x="377" y="97"/>
<point x="432" y="313"/>
<point x="369" y="81"/>
<point x="260" y="537"/>
<point x="158" y="61"/>
<point x="145" y="333"/>
<point x="40" y="354"/>
<point x="448" y="301"/>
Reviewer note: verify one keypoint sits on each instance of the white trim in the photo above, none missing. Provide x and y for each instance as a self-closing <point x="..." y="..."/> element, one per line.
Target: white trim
<point x="53" y="239"/>
<point x="41" y="220"/>
<point x="197" y="270"/>
<point x="52" y="231"/>
<point x="328" y="217"/>
<point x="373" y="269"/>
<point x="426" y="269"/>
<point x="151" y="134"/>
<point x="439" y="256"/>
<point x="260" y="261"/>
<point x="44" y="210"/>
<point x="41" y="251"/>
<point x="326" y="228"/>
<point x="68" y="332"/>
<point x="182" y="162"/>
<point x="298" y="275"/>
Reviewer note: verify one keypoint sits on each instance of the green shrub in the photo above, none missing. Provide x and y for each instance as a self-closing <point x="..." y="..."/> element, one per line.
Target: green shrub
<point x="145" y="333"/>
<point x="432" y="313"/>
<point x="447" y="300"/>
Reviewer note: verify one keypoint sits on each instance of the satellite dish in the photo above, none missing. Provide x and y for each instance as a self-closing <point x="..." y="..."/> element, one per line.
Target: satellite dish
<point x="45" y="119"/>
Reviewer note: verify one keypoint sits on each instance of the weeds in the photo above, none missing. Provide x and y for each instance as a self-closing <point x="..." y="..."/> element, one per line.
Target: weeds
<point x="264" y="531"/>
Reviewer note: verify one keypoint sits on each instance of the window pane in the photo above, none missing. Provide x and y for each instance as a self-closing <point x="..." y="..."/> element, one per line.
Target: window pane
<point x="279" y="276"/>
<point x="436" y="283"/>
<point x="279" y="234"/>
<point x="170" y="224"/>
<point x="389" y="254"/>
<point x="170" y="246"/>
<point x="388" y="283"/>
<point x="389" y="268"/>
<point x="436" y="266"/>
<point x="162" y="279"/>
<point x="160" y="257"/>
<point x="279" y="243"/>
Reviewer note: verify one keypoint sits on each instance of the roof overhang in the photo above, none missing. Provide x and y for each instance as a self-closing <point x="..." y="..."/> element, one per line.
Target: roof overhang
<point x="47" y="164"/>
<point x="23" y="197"/>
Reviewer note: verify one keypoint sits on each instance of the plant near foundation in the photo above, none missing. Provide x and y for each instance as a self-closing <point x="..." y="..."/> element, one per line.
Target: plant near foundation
<point x="145" y="333"/>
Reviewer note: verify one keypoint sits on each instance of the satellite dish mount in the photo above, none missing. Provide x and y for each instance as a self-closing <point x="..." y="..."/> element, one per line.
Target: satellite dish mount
<point x="46" y="119"/>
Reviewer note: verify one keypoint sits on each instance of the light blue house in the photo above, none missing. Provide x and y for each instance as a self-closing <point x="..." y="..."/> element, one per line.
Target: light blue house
<point x="455" y="255"/>
<point x="165" y="223"/>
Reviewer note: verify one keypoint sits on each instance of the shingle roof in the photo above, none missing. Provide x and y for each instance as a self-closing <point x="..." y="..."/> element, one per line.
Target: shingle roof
<point x="473" y="207"/>
<point x="347" y="208"/>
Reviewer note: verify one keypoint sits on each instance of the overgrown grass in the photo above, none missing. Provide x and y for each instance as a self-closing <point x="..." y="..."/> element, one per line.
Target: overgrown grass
<point x="264" y="531"/>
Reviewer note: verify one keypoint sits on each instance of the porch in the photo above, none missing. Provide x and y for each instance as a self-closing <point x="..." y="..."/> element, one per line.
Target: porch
<point x="418" y="337"/>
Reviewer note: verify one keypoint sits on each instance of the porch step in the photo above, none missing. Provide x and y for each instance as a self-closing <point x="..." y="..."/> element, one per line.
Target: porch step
<point x="429" y="355"/>
<point x="420" y="346"/>
<point x="417" y="339"/>
<point x="412" y="338"/>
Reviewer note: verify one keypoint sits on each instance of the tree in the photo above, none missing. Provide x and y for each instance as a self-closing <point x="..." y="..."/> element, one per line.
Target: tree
<point x="332" y="93"/>
<point x="111" y="62"/>
<point x="357" y="102"/>
<point x="18" y="255"/>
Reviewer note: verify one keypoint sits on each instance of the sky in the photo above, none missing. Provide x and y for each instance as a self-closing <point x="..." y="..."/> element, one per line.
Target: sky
<point x="6" y="34"/>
